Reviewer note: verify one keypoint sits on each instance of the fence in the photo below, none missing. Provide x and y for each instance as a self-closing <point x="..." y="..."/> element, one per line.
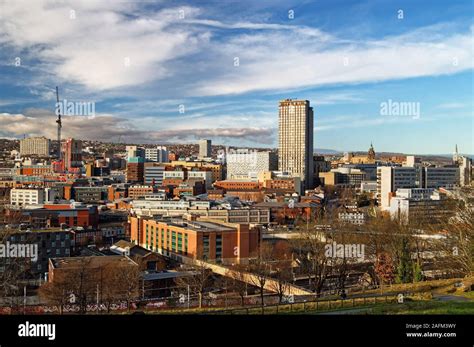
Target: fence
<point x="310" y="306"/>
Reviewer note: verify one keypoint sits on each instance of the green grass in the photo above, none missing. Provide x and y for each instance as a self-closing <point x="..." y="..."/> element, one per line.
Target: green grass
<point x="426" y="307"/>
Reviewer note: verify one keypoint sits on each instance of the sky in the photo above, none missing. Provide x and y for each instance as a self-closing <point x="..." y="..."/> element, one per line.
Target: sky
<point x="178" y="71"/>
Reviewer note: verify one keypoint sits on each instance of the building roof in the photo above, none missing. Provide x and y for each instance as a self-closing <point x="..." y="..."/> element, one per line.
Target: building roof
<point x="197" y="225"/>
<point x="92" y="261"/>
<point x="271" y="204"/>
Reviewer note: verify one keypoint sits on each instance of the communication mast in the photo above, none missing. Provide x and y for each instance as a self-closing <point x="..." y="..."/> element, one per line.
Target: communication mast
<point x="58" y="121"/>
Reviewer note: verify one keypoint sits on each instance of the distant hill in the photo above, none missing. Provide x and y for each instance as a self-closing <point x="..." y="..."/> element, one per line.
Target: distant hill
<point x="326" y="151"/>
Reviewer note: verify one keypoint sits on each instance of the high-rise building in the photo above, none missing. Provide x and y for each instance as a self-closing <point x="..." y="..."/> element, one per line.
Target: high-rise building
<point x="135" y="169"/>
<point x="158" y="154"/>
<point x="205" y="149"/>
<point x="72" y="154"/>
<point x="39" y="146"/>
<point x="295" y="139"/>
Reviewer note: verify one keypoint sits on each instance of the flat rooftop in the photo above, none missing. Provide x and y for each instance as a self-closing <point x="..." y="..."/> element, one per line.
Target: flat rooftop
<point x="92" y="262"/>
<point x="193" y="225"/>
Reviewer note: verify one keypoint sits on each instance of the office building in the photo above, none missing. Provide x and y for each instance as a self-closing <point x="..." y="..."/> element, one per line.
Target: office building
<point x="158" y="154"/>
<point x="51" y="243"/>
<point x="389" y="179"/>
<point x="465" y="171"/>
<point x="205" y="149"/>
<point x="135" y="169"/>
<point x="436" y="177"/>
<point x="196" y="239"/>
<point x="72" y="155"/>
<point x="244" y="163"/>
<point x="295" y="139"/>
<point x="135" y="151"/>
<point x="30" y="196"/>
<point x="154" y="174"/>
<point x="419" y="205"/>
<point x="37" y="146"/>
<point x="343" y="176"/>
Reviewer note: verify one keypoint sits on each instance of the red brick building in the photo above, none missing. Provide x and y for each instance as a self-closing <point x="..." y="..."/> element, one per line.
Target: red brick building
<point x="197" y="239"/>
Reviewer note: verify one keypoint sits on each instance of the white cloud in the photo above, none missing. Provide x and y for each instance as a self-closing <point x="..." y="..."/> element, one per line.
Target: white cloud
<point x="276" y="60"/>
<point x="102" y="47"/>
<point x="189" y="56"/>
<point x="106" y="127"/>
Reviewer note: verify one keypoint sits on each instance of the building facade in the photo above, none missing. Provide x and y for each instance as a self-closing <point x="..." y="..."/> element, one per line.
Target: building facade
<point x="205" y="148"/>
<point x="295" y="139"/>
<point x="204" y="240"/>
<point x="158" y="154"/>
<point x="30" y="196"/>
<point x="245" y="163"/>
<point x="38" y="146"/>
<point x="72" y="154"/>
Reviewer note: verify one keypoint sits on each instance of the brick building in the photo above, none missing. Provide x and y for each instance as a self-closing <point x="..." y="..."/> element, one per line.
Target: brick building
<point x="196" y="239"/>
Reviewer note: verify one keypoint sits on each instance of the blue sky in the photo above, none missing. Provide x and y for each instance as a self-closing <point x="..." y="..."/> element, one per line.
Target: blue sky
<point x="140" y="61"/>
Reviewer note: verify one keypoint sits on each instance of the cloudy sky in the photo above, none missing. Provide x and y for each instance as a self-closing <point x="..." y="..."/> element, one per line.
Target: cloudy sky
<point x="176" y="71"/>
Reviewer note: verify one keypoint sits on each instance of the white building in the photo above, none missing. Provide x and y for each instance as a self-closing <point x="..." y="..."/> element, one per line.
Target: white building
<point x="368" y="187"/>
<point x="158" y="154"/>
<point x="465" y="171"/>
<point x="39" y="146"/>
<point x="155" y="206"/>
<point x="389" y="179"/>
<point x="245" y="163"/>
<point x="357" y="218"/>
<point x="174" y="175"/>
<point x="417" y="193"/>
<point x="412" y="161"/>
<point x="417" y="205"/>
<point x="30" y="196"/>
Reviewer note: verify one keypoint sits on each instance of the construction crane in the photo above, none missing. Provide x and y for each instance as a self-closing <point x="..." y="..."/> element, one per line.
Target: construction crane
<point x="58" y="121"/>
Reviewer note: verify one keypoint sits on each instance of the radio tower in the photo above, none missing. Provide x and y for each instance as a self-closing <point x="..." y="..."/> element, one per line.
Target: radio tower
<point x="58" y="121"/>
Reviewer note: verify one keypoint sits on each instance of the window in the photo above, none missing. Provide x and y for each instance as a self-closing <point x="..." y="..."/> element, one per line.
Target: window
<point x="186" y="244"/>
<point x="205" y="242"/>
<point x="180" y="242"/>
<point x="218" y="247"/>
<point x="173" y="241"/>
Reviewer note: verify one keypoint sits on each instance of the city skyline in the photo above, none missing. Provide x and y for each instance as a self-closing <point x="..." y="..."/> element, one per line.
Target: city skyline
<point x="196" y="88"/>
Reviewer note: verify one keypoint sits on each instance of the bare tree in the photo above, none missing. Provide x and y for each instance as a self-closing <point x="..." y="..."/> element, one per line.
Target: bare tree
<point x="260" y="269"/>
<point x="238" y="275"/>
<point x="282" y="277"/>
<point x="198" y="281"/>
<point x="127" y="280"/>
